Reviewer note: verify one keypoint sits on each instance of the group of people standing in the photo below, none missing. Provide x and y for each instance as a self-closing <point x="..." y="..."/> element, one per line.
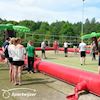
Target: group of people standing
<point x="95" y="50"/>
<point x="15" y="54"/>
<point x="56" y="47"/>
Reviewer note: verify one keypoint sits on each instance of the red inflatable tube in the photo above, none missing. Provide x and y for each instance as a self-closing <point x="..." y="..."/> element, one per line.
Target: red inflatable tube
<point x="79" y="87"/>
<point x="61" y="49"/>
<point x="82" y="79"/>
<point x="39" y="48"/>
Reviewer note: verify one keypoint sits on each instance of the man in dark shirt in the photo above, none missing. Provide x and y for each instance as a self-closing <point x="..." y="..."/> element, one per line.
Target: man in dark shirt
<point x="6" y="42"/>
<point x="5" y="46"/>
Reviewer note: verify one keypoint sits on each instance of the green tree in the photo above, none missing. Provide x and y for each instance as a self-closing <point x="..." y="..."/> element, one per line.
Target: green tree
<point x="44" y="27"/>
<point x="67" y="29"/>
<point x="28" y="23"/>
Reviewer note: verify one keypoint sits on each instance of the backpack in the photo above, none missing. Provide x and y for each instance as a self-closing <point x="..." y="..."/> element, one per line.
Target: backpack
<point x="6" y="51"/>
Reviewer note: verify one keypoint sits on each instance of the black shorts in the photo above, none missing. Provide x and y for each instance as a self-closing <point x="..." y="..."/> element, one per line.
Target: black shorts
<point x="43" y="50"/>
<point x="82" y="53"/>
<point x="18" y="63"/>
<point x="65" y="50"/>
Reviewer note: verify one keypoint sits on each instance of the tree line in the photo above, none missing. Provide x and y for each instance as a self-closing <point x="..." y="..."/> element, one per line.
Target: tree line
<point x="58" y="28"/>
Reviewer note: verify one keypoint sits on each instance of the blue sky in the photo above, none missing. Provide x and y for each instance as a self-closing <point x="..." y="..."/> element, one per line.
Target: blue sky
<point x="49" y="10"/>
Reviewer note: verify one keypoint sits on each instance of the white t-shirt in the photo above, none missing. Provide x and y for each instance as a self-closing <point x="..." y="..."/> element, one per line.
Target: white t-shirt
<point x="20" y="52"/>
<point x="82" y="46"/>
<point x="43" y="45"/>
<point x="65" y="44"/>
<point x="11" y="50"/>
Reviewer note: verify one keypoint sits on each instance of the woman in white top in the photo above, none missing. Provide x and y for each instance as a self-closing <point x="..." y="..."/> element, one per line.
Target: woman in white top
<point x="11" y="49"/>
<point x="18" y="61"/>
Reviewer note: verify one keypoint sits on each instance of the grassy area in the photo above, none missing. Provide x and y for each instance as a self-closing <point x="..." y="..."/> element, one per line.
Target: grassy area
<point x="72" y="60"/>
<point x="28" y="79"/>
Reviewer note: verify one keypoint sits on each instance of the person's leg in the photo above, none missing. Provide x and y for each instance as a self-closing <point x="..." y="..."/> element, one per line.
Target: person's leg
<point x="11" y="73"/>
<point x="99" y="69"/>
<point x="81" y="58"/>
<point x="7" y="61"/>
<point x="29" y="64"/>
<point x="65" y="50"/>
<point x="57" y="50"/>
<point x="99" y="65"/>
<point x="94" y="57"/>
<point x="44" y="55"/>
<point x="19" y="74"/>
<point x="54" y="50"/>
<point x="84" y="60"/>
<point x="32" y="64"/>
<point x="15" y="74"/>
<point x="75" y="50"/>
<point x="83" y="55"/>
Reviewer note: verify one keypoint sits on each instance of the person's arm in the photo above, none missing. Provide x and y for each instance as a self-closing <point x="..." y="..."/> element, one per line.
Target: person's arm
<point x="24" y="51"/>
<point x="27" y="48"/>
<point x="44" y="45"/>
<point x="53" y="44"/>
<point x="35" y="55"/>
<point x="79" y="47"/>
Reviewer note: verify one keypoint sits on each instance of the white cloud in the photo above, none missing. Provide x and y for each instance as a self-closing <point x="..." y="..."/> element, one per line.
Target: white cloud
<point x="50" y="4"/>
<point x="48" y="10"/>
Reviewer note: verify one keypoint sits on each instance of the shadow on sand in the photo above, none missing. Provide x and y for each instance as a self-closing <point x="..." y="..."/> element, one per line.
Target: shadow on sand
<point x="37" y="81"/>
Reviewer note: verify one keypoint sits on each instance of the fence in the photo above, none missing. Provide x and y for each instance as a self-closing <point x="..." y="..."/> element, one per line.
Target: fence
<point x="38" y="38"/>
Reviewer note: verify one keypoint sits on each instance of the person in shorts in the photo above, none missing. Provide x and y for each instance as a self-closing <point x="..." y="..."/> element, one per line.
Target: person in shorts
<point x="82" y="50"/>
<point x="66" y="48"/>
<point x="18" y="61"/>
<point x="55" y="46"/>
<point x="93" y="50"/>
<point x="11" y="49"/>
<point x="43" y="46"/>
